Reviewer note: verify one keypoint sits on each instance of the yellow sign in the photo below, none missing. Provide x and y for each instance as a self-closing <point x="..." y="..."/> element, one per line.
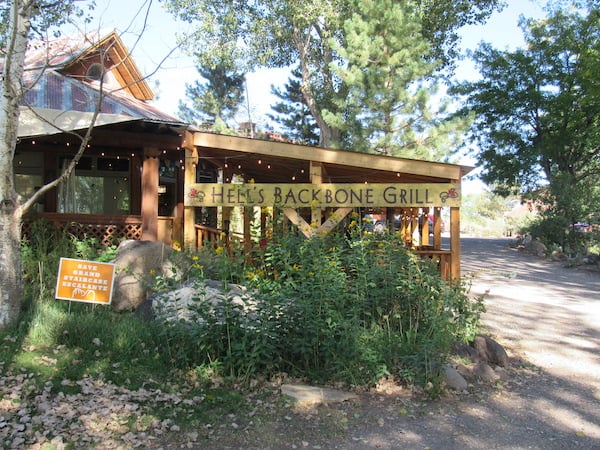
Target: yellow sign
<point x="85" y="281"/>
<point x="304" y="195"/>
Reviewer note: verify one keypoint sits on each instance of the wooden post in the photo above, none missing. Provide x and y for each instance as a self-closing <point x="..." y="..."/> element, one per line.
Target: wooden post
<point x="455" y="242"/>
<point x="414" y="226"/>
<point x="316" y="177"/>
<point x="189" y="177"/>
<point x="150" y="194"/>
<point x="226" y="226"/>
<point x="425" y="227"/>
<point x="437" y="228"/>
<point x="248" y="216"/>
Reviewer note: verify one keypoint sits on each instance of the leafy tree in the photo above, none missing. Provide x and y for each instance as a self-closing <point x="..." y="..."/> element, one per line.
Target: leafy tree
<point x="281" y="33"/>
<point x="537" y="113"/>
<point x="22" y="20"/>
<point x="218" y="99"/>
<point x="46" y="15"/>
<point x="292" y="113"/>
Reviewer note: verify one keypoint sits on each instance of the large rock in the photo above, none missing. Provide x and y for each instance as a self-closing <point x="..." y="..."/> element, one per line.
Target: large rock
<point x="490" y="350"/>
<point x="137" y="264"/>
<point x="195" y="300"/>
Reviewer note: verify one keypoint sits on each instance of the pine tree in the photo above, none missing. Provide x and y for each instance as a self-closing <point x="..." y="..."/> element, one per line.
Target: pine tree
<point x="387" y="67"/>
<point x="216" y="100"/>
<point x="292" y="113"/>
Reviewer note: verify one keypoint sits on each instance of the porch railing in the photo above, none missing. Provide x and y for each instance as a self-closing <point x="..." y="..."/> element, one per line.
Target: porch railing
<point x="206" y="235"/>
<point x="442" y="258"/>
<point x="107" y="229"/>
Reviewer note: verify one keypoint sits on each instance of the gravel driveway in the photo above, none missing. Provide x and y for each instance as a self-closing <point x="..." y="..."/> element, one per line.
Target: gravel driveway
<point x="550" y="316"/>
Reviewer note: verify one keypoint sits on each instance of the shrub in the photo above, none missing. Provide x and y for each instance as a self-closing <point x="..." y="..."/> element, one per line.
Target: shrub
<point x="335" y="309"/>
<point x="347" y="309"/>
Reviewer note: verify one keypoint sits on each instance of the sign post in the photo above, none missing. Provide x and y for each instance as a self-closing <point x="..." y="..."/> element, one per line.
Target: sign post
<point x="85" y="281"/>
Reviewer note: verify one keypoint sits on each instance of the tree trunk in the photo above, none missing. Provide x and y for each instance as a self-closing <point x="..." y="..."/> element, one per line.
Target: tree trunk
<point x="11" y="283"/>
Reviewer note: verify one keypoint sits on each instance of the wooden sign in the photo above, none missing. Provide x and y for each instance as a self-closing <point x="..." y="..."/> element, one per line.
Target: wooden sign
<point x="304" y="195"/>
<point x="85" y="281"/>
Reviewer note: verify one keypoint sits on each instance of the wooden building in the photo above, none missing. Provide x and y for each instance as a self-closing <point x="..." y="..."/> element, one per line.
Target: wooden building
<point x="147" y="175"/>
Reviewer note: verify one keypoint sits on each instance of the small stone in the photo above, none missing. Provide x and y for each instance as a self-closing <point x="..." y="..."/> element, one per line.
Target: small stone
<point x="454" y="380"/>
<point x="484" y="372"/>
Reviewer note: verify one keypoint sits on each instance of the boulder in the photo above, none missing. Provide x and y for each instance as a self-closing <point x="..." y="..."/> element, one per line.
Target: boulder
<point x="490" y="350"/>
<point x="195" y="299"/>
<point x="137" y="263"/>
<point x="478" y="371"/>
<point x="454" y="380"/>
<point x="465" y="351"/>
<point x="538" y="248"/>
<point x="484" y="372"/>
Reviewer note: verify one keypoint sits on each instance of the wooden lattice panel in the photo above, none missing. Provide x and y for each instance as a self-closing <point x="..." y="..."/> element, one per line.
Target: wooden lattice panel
<point x="106" y="229"/>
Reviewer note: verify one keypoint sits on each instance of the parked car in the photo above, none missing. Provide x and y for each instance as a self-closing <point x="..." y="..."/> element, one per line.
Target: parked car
<point x="581" y="227"/>
<point x="374" y="223"/>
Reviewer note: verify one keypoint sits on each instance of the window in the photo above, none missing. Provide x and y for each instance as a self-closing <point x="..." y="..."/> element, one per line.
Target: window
<point x="99" y="185"/>
<point x="28" y="174"/>
<point x="95" y="72"/>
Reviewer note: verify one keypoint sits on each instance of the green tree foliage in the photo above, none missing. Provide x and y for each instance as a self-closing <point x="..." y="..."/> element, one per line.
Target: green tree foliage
<point x="281" y="33"/>
<point x="218" y="99"/>
<point x="386" y="67"/>
<point x="292" y="114"/>
<point x="46" y="16"/>
<point x="538" y="116"/>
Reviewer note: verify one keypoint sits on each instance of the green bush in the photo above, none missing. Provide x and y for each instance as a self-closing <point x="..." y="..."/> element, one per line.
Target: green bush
<point x="345" y="308"/>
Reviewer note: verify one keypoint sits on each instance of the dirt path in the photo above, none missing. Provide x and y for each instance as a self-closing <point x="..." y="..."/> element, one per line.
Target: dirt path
<point x="548" y="318"/>
<point x="549" y="313"/>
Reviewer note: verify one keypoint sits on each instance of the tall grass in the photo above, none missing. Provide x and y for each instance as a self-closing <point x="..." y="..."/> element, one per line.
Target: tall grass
<point x="345" y="308"/>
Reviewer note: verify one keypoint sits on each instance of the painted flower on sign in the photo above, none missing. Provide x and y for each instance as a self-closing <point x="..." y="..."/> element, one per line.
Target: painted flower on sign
<point x="450" y="193"/>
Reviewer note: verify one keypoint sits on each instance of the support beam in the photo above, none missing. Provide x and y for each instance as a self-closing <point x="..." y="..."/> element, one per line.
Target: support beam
<point x="189" y="213"/>
<point x="297" y="220"/>
<point x="455" y="242"/>
<point x="150" y="180"/>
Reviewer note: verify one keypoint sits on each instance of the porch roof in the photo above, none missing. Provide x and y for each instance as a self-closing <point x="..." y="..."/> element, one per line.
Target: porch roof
<point x="35" y="122"/>
<point x="273" y="161"/>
